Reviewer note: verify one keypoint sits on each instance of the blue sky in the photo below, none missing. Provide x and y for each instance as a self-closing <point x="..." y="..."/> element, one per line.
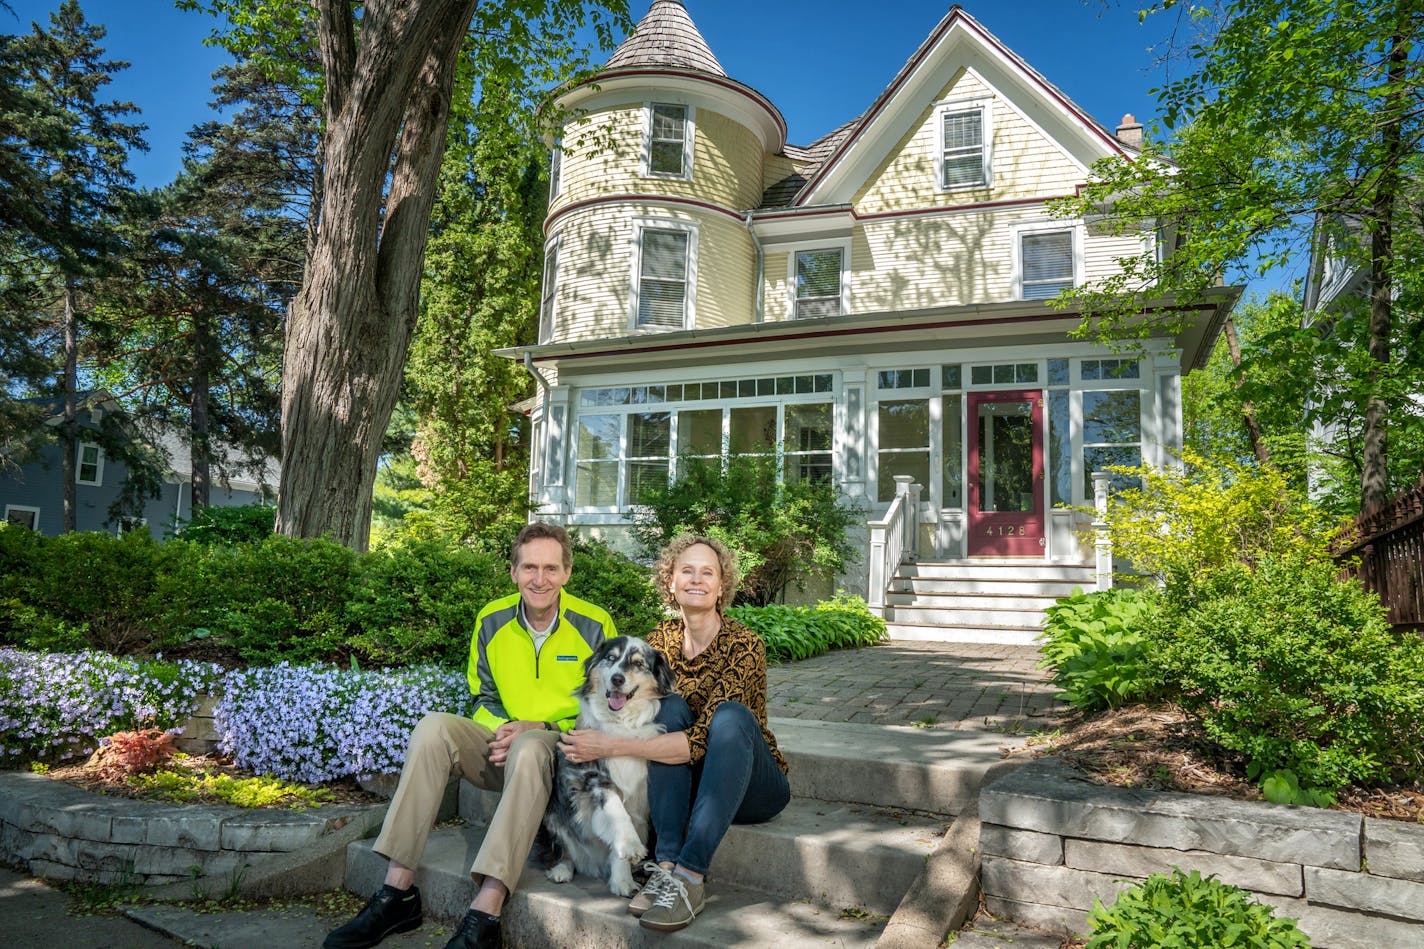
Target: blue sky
<point x="821" y="62"/>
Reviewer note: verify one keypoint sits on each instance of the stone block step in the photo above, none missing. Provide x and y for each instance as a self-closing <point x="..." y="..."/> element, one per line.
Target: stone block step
<point x="889" y="766"/>
<point x="961" y="600"/>
<point x="941" y="633"/>
<point x="988" y="617"/>
<point x="836" y="854"/>
<point x="582" y="914"/>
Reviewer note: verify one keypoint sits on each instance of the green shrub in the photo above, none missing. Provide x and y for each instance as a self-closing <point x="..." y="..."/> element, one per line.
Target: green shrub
<point x="240" y="524"/>
<point x="782" y="530"/>
<point x="416" y="602"/>
<point x="1294" y="668"/>
<point x="281" y="599"/>
<point x="1095" y="644"/>
<point x="1182" y="524"/>
<point x="624" y="588"/>
<point x="1189" y="911"/>
<point x="800" y="632"/>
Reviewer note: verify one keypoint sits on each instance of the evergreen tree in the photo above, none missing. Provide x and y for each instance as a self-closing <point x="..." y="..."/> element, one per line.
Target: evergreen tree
<point x="74" y="151"/>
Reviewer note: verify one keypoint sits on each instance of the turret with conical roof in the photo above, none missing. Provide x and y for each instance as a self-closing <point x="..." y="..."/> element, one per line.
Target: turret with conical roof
<point x="660" y="142"/>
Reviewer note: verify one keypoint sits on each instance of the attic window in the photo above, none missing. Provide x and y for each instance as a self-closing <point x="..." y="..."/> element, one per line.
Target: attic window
<point x="668" y="138"/>
<point x="90" y="469"/>
<point x="963" y="158"/>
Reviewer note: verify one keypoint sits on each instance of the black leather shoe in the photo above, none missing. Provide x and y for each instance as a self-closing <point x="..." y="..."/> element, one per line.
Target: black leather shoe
<point x="477" y="931"/>
<point x="388" y="911"/>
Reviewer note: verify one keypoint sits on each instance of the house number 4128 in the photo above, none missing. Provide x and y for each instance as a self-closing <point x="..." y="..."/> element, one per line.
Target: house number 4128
<point x="1007" y="531"/>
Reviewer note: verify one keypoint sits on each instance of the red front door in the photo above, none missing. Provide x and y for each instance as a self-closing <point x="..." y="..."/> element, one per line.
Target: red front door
<point x="1005" y="474"/>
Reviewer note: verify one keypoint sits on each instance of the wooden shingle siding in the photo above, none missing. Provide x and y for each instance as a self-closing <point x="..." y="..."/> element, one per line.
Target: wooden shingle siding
<point x="776" y="293"/>
<point x="1102" y="253"/>
<point x="603" y="155"/>
<point x="726" y="272"/>
<point x="595" y="272"/>
<point x="908" y="263"/>
<point x="1025" y="163"/>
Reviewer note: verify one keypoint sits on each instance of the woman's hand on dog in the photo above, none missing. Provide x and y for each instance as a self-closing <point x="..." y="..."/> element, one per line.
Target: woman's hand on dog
<point x="581" y="745"/>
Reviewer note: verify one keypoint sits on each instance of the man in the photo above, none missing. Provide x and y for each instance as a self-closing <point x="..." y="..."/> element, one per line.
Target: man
<point x="526" y="660"/>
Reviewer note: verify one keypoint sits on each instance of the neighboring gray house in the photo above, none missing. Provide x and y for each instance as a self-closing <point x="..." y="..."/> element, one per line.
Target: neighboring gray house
<point x="33" y="496"/>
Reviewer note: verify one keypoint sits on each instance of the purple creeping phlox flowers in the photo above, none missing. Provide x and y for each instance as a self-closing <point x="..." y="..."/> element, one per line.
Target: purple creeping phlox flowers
<point x="56" y="706"/>
<point x="316" y="723"/>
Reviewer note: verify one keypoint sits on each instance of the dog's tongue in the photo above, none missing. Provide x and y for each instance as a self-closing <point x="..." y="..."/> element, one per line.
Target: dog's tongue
<point x="617" y="700"/>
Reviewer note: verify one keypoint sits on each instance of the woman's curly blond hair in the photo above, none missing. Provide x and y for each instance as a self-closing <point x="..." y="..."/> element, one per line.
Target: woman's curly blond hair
<point x="726" y="560"/>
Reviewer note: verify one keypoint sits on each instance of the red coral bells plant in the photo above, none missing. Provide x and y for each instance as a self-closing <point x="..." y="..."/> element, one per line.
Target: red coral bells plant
<point x="136" y="752"/>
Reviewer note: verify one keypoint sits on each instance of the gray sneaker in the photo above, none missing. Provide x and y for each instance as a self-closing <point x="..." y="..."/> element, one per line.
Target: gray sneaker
<point x="676" y="905"/>
<point x="658" y="880"/>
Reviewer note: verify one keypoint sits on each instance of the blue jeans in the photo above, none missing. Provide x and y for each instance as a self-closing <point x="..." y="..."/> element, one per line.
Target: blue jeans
<point x="737" y="782"/>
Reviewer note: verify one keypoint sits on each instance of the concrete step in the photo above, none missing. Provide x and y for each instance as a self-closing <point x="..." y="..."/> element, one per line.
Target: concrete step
<point x="582" y="914"/>
<point x="837" y="855"/>
<point x="955" y="600"/>
<point x="988" y="617"/>
<point x="1009" y="586"/>
<point x="940" y="633"/>
<point x="1025" y="569"/>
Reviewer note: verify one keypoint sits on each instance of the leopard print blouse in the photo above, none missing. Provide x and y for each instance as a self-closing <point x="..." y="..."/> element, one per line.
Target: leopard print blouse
<point x="731" y="668"/>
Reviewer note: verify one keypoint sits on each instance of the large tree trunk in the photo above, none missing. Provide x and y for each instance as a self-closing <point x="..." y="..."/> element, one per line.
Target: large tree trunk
<point x="69" y="385"/>
<point x="351" y="323"/>
<point x="1374" y="468"/>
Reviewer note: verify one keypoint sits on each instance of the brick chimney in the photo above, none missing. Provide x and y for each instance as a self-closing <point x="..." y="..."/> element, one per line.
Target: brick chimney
<point x="1129" y="132"/>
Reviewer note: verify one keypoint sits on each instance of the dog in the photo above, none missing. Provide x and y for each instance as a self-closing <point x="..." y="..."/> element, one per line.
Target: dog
<point x="597" y="819"/>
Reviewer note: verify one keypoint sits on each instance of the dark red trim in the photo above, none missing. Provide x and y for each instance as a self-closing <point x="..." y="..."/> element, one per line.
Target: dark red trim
<point x="849" y="331"/>
<point x="977" y="206"/>
<point x="650" y="198"/>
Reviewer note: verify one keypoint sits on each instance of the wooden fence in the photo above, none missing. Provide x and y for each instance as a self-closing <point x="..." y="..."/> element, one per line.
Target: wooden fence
<point x="1389" y="542"/>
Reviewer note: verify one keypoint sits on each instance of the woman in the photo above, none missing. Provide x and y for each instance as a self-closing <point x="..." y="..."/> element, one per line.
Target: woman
<point x="718" y="763"/>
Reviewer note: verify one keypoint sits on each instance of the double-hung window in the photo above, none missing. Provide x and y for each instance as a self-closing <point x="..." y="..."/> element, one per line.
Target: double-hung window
<point x="1046" y="263"/>
<point x="551" y="286"/>
<point x="90" y="469"/>
<point x="669" y="135"/>
<point x="664" y="271"/>
<point x="556" y="170"/>
<point x="20" y="515"/>
<point x="818" y="281"/>
<point x="963" y="158"/>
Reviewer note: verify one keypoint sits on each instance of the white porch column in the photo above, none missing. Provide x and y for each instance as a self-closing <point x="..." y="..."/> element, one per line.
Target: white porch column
<point x="1102" y="542"/>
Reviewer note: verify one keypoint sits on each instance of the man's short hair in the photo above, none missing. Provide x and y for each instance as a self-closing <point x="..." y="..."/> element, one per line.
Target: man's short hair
<point x="539" y="530"/>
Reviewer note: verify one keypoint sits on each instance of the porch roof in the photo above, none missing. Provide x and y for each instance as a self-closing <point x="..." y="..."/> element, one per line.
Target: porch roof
<point x="1012" y="323"/>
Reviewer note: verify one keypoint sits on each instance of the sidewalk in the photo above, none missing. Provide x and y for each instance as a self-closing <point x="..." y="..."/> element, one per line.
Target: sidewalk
<point x="932" y="685"/>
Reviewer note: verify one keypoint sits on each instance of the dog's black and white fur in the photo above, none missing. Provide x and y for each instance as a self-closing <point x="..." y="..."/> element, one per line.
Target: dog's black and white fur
<point x="598" y="812"/>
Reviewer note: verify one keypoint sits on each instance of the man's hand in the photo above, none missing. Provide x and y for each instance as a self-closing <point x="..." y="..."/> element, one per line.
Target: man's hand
<point x="581" y="745"/>
<point x="504" y="736"/>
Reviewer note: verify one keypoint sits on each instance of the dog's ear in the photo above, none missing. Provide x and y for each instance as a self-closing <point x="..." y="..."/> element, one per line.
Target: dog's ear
<point x="662" y="673"/>
<point x="586" y="687"/>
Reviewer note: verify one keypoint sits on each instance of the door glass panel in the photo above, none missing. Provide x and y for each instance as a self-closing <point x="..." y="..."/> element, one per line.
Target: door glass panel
<point x="1006" y="456"/>
<point x="1060" y="448"/>
<point x="953" y="451"/>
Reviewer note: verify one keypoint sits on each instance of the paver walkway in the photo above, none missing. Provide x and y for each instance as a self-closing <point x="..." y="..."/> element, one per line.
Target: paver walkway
<point x="933" y="685"/>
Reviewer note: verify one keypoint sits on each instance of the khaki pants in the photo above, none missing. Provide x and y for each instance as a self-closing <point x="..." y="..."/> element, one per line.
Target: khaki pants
<point x="444" y="744"/>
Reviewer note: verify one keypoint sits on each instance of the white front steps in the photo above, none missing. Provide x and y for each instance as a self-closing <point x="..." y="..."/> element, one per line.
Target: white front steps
<point x="979" y="600"/>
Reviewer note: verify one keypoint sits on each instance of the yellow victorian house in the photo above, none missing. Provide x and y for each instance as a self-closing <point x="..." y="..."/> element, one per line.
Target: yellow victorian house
<point x="872" y="306"/>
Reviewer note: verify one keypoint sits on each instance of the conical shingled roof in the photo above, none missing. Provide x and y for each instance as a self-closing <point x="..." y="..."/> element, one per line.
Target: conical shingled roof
<point x="665" y="37"/>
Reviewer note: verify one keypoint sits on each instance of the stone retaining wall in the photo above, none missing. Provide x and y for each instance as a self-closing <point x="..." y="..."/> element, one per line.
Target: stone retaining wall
<point x="199" y="736"/>
<point x="62" y="832"/>
<point x="1052" y="842"/>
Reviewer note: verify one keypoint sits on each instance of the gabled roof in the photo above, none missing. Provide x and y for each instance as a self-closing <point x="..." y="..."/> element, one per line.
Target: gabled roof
<point x="665" y="37"/>
<point x="860" y="146"/>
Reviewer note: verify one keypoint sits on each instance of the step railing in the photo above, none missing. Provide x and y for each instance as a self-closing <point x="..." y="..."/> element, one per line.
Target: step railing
<point x="894" y="540"/>
<point x="1102" y="540"/>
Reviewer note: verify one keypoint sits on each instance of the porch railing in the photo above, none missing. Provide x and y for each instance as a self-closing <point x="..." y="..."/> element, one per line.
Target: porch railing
<point x="893" y="540"/>
<point x="1389" y="542"/>
<point x="1102" y="540"/>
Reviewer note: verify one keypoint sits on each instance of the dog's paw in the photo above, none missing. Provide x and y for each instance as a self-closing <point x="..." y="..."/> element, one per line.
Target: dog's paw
<point x="620" y="880"/>
<point x="560" y="872"/>
<point x="637" y="852"/>
<point x="629" y="847"/>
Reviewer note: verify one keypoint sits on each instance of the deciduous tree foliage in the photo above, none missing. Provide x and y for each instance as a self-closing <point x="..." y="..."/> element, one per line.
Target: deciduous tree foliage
<point x="387" y="71"/>
<point x="1290" y="110"/>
